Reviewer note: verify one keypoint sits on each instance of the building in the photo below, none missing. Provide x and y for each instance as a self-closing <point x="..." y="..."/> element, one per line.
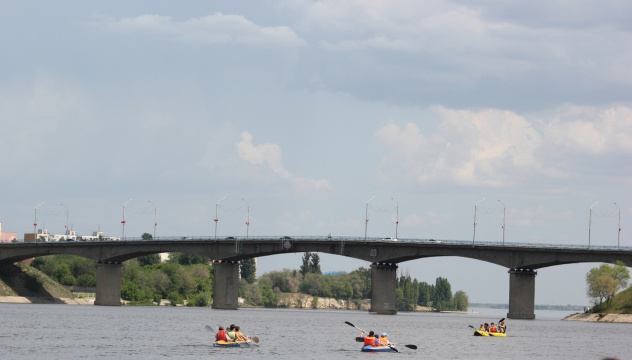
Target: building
<point x="7" y="236"/>
<point x="71" y="235"/>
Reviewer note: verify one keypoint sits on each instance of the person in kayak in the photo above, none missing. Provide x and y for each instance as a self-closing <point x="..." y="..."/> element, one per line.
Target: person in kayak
<point x="231" y="333"/>
<point x="239" y="336"/>
<point x="370" y="339"/>
<point x="221" y="335"/>
<point x="493" y="328"/>
<point x="486" y="327"/>
<point x="502" y="327"/>
<point x="482" y="328"/>
<point x="384" y="340"/>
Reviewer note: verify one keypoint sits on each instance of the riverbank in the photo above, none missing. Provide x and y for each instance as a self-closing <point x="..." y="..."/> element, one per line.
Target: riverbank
<point x="609" y="318"/>
<point x="45" y="300"/>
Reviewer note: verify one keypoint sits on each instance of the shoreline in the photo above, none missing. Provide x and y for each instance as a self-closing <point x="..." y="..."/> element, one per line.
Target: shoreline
<point x="603" y="318"/>
<point x="45" y="300"/>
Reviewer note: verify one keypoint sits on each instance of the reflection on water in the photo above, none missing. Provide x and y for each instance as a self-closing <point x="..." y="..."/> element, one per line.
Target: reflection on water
<point x="99" y="332"/>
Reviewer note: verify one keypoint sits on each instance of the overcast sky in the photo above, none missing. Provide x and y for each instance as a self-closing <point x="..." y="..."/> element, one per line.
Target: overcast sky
<point x="305" y="110"/>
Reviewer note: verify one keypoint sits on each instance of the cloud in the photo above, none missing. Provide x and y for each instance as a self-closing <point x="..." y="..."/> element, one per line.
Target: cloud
<point x="501" y="148"/>
<point x="212" y="29"/>
<point x="270" y="155"/>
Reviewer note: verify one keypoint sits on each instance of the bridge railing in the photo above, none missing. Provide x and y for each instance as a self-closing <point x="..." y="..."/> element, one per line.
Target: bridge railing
<point x="368" y="239"/>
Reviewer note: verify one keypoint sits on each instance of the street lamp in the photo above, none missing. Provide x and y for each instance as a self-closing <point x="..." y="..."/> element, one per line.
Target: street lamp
<point x="247" y="218"/>
<point x="155" y="223"/>
<point x="67" y="229"/>
<point x="216" y="217"/>
<point x="474" y="237"/>
<point x="504" y="207"/>
<point x="35" y="222"/>
<point x="619" y="233"/>
<point x="123" y="221"/>
<point x="366" y="221"/>
<point x="590" y="223"/>
<point x="396" y="216"/>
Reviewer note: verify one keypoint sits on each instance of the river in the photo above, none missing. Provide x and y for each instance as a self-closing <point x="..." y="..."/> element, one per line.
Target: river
<point x="36" y="331"/>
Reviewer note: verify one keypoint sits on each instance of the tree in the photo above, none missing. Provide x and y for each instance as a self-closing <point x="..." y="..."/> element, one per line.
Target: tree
<point x="461" y="300"/>
<point x="305" y="266"/>
<point x="602" y="283"/>
<point x="314" y="264"/>
<point x="248" y="270"/>
<point x="146" y="236"/>
<point x="148" y="260"/>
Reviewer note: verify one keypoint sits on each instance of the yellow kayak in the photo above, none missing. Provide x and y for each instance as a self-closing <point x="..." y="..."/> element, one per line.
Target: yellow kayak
<point x="222" y="343"/>
<point x="485" y="333"/>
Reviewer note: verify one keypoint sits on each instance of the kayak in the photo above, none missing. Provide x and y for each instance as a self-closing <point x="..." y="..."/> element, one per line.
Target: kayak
<point x="485" y="333"/>
<point x="382" y="348"/>
<point x="222" y="343"/>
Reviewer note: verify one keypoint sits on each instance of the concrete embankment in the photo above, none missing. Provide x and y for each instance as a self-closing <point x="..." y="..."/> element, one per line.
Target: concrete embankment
<point x="610" y="318"/>
<point x="45" y="300"/>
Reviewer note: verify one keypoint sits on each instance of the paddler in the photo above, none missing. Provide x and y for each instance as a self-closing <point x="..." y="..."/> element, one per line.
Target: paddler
<point x="384" y="339"/>
<point x="492" y="328"/>
<point x="502" y="327"/>
<point x="370" y="339"/>
<point x="239" y="336"/>
<point x="221" y="335"/>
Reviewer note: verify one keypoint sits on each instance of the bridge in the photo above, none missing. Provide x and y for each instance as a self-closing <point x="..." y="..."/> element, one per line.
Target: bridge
<point x="521" y="260"/>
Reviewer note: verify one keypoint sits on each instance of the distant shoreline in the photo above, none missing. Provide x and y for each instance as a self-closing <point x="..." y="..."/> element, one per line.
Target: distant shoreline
<point x="603" y="318"/>
<point x="45" y="300"/>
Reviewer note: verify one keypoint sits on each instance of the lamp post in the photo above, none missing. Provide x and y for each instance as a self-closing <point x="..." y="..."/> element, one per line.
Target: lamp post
<point x="590" y="223"/>
<point x="67" y="229"/>
<point x="247" y="218"/>
<point x="123" y="221"/>
<point x="155" y="223"/>
<point x="35" y="222"/>
<point x="474" y="237"/>
<point x="396" y="216"/>
<point x="619" y="233"/>
<point x="366" y="219"/>
<point x="504" y="207"/>
<point x="216" y="217"/>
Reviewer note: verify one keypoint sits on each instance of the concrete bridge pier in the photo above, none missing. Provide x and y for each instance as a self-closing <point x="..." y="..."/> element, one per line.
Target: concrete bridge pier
<point x="521" y="294"/>
<point x="383" y="288"/>
<point x="225" y="285"/>
<point x="109" y="279"/>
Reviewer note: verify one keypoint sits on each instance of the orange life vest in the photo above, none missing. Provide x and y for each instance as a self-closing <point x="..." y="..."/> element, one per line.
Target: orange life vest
<point x="493" y="329"/>
<point x="369" y="340"/>
<point x="383" y="340"/>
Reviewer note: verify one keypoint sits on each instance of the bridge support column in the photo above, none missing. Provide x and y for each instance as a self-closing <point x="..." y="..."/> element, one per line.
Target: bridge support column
<point x="521" y="294"/>
<point x="226" y="285"/>
<point x="109" y="279"/>
<point x="383" y="288"/>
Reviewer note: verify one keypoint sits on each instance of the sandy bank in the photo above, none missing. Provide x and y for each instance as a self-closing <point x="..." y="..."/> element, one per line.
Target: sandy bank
<point x="611" y="318"/>
<point x="45" y="300"/>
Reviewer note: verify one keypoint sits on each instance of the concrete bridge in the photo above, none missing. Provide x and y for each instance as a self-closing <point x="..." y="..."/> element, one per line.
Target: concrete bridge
<point x="521" y="260"/>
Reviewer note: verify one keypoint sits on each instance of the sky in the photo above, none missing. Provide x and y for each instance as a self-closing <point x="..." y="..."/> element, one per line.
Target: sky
<point x="302" y="115"/>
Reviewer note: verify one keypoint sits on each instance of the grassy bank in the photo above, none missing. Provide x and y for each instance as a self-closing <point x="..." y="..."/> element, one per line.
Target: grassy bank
<point x="19" y="279"/>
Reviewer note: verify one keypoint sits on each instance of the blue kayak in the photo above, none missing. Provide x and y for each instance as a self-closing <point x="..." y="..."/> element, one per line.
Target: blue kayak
<point x="382" y="348"/>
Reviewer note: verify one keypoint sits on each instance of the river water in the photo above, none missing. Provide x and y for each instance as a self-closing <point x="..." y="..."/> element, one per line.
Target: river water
<point x="34" y="331"/>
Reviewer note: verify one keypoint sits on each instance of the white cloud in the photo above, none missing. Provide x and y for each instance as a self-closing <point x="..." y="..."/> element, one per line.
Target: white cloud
<point x="500" y="148"/>
<point x="211" y="29"/>
<point x="270" y="155"/>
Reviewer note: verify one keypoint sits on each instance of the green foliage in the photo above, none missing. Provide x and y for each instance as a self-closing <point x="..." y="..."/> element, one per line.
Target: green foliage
<point x="461" y="300"/>
<point x="149" y="259"/>
<point x="248" y="270"/>
<point x="602" y="283"/>
<point x="146" y="236"/>
<point x="187" y="259"/>
<point x="311" y="264"/>
<point x="268" y="297"/>
<point x="315" y="302"/>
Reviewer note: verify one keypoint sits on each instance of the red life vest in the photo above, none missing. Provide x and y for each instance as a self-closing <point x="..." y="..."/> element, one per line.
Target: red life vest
<point x="369" y="340"/>
<point x="493" y="329"/>
<point x="221" y="335"/>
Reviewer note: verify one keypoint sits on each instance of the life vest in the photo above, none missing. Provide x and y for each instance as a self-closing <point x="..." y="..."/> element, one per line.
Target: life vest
<point x="383" y="340"/>
<point x="221" y="335"/>
<point x="369" y="340"/>
<point x="493" y="329"/>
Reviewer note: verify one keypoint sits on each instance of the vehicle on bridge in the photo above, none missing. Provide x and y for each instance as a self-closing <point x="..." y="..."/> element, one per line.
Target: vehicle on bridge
<point x="389" y="239"/>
